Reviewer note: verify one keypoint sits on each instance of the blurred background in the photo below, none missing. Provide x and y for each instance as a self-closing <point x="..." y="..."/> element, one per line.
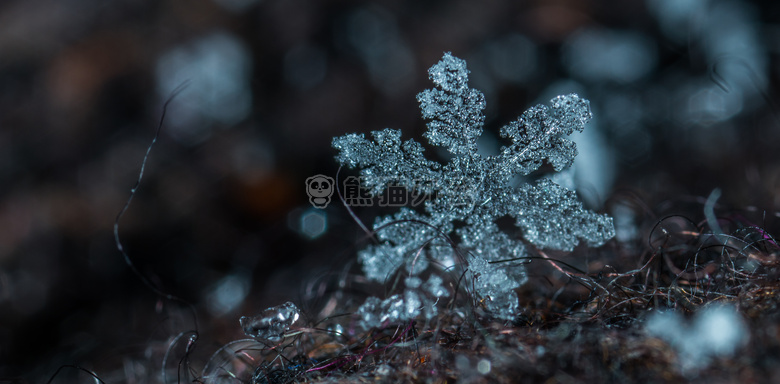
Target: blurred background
<point x="683" y="93"/>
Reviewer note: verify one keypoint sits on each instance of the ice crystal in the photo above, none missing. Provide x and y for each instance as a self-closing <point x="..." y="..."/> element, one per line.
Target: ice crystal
<point x="272" y="323"/>
<point x="716" y="332"/>
<point x="472" y="191"/>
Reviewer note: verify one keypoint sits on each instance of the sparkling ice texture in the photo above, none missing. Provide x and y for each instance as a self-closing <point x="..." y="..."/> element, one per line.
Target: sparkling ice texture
<point x="470" y="189"/>
<point x="272" y="323"/>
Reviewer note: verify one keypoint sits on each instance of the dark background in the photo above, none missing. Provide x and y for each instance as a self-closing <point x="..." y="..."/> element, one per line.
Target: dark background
<point x="683" y="93"/>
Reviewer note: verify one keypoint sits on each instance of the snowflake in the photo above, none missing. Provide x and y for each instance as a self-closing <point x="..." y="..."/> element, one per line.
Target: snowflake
<point x="469" y="194"/>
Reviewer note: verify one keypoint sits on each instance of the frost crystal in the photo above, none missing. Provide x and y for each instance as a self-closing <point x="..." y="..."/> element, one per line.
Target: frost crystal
<point x="272" y="323"/>
<point x="472" y="191"/>
<point x="717" y="331"/>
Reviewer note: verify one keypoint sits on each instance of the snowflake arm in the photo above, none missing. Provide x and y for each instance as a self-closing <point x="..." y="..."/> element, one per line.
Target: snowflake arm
<point x="402" y="235"/>
<point x="454" y="110"/>
<point x="385" y="160"/>
<point x="552" y="217"/>
<point x="539" y="134"/>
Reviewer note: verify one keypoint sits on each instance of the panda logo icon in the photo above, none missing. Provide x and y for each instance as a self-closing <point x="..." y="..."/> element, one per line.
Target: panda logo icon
<point x="320" y="189"/>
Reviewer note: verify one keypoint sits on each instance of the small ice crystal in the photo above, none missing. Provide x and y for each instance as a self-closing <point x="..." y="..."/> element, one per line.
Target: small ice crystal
<point x="471" y="192"/>
<point x="717" y="331"/>
<point x="435" y="288"/>
<point x="272" y="323"/>
<point x="394" y="309"/>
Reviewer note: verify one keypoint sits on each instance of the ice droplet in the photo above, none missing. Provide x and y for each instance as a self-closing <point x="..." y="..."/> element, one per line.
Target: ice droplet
<point x="271" y="323"/>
